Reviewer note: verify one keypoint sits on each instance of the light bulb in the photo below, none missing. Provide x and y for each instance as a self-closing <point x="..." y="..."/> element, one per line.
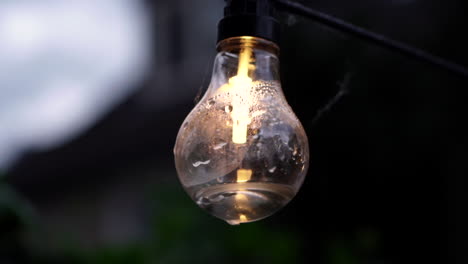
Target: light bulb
<point x="242" y="154"/>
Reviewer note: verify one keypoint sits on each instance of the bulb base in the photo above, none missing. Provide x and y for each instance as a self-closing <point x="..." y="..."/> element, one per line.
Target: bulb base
<point x="255" y="18"/>
<point x="249" y="25"/>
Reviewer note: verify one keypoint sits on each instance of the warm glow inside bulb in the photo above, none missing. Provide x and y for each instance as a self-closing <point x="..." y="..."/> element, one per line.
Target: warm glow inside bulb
<point x="242" y="218"/>
<point x="243" y="175"/>
<point x="242" y="154"/>
<point x="241" y="85"/>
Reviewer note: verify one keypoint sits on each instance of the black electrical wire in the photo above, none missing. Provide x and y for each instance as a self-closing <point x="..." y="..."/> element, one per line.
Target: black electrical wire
<point x="366" y="35"/>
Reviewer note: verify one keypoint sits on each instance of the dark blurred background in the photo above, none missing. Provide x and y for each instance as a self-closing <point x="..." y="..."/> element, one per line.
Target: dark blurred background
<point x="92" y="94"/>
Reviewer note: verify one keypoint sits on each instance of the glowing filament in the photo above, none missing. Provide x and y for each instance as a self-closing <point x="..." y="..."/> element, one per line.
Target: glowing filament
<point x="242" y="218"/>
<point x="243" y="175"/>
<point x="240" y="85"/>
<point x="240" y="108"/>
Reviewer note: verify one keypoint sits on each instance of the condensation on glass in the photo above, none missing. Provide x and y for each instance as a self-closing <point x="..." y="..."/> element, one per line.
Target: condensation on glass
<point x="242" y="154"/>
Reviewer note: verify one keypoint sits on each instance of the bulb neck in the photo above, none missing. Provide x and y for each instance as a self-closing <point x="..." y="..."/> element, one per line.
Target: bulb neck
<point x="236" y="44"/>
<point x="244" y="61"/>
<point x="256" y="18"/>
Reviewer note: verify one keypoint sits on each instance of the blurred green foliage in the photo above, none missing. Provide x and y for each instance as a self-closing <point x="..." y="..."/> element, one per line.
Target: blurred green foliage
<point x="180" y="232"/>
<point x="185" y="234"/>
<point x="360" y="248"/>
<point x="15" y="216"/>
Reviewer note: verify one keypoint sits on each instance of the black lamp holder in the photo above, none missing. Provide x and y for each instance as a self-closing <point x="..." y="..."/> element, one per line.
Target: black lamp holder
<point x="259" y="18"/>
<point x="249" y="18"/>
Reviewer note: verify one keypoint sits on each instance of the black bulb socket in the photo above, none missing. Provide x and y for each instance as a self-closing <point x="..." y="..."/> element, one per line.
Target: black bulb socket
<point x="255" y="18"/>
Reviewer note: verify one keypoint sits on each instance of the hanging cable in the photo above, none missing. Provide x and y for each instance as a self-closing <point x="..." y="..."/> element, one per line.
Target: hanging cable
<point x="371" y="37"/>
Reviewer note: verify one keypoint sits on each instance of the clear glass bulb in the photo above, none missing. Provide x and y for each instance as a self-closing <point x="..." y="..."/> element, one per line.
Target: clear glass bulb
<point x="242" y="154"/>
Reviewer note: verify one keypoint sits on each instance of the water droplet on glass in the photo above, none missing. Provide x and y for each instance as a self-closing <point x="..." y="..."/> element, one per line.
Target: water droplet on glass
<point x="233" y="222"/>
<point x="220" y="145"/>
<point x="203" y="201"/>
<point x="294" y="152"/>
<point x="198" y="163"/>
<point x="210" y="103"/>
<point x="218" y="198"/>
